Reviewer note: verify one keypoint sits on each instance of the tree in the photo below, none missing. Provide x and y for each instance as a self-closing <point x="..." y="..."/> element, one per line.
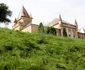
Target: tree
<point x="51" y="30"/>
<point x="41" y="28"/>
<point x="64" y="32"/>
<point x="4" y="13"/>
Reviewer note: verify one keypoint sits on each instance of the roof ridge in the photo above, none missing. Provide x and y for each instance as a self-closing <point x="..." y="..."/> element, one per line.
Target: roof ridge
<point x="22" y="13"/>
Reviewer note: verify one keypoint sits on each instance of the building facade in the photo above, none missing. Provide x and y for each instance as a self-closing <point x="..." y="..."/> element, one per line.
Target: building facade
<point x="24" y="23"/>
<point x="71" y="29"/>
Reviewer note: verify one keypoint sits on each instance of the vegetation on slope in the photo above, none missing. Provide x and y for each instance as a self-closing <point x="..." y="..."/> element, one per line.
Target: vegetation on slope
<point x="28" y="51"/>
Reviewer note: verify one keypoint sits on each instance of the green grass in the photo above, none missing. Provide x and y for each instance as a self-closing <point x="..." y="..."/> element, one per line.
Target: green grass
<point x="33" y="51"/>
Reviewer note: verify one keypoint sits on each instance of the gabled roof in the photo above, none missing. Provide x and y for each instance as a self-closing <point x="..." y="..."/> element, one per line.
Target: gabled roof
<point x="23" y="13"/>
<point x="56" y="21"/>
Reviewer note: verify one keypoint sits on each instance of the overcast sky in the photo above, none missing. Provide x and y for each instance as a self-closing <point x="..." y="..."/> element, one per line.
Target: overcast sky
<point x="46" y="10"/>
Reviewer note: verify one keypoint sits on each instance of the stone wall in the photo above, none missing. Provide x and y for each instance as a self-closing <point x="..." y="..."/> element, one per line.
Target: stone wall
<point x="27" y="29"/>
<point x="34" y="28"/>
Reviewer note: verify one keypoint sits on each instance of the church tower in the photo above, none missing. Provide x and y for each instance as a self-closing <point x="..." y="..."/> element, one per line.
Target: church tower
<point x="76" y="25"/>
<point x="23" y="20"/>
<point x="60" y="19"/>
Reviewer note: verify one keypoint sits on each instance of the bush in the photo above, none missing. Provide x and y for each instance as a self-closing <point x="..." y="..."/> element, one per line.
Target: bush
<point x="64" y="32"/>
<point x="51" y="30"/>
<point x="41" y="28"/>
<point x="42" y="39"/>
<point x="37" y="51"/>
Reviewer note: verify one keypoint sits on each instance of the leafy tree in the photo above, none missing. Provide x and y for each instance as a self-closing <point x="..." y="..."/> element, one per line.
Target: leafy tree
<point x="41" y="28"/>
<point x="51" y="30"/>
<point x="64" y="32"/>
<point x="4" y="13"/>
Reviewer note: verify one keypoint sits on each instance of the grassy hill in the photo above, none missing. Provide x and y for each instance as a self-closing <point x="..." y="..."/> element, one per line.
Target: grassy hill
<point x="33" y="51"/>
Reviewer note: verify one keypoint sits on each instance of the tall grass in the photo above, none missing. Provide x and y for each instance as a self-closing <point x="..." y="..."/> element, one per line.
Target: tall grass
<point x="33" y="51"/>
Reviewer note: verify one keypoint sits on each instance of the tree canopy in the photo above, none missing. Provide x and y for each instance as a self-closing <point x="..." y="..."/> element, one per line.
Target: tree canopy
<point x="51" y="30"/>
<point x="64" y="32"/>
<point x="4" y="13"/>
<point x="41" y="28"/>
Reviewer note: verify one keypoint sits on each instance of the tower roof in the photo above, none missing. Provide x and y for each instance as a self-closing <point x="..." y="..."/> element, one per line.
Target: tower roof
<point x="60" y="19"/>
<point x="15" y="21"/>
<point x="23" y="13"/>
<point x="76" y="23"/>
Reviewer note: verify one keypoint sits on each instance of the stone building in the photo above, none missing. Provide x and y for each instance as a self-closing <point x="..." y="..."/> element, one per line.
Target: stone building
<point x="71" y="29"/>
<point x="24" y="24"/>
<point x="61" y="24"/>
<point x="81" y="33"/>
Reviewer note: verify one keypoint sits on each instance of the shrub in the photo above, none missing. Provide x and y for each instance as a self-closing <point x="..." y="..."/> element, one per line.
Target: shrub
<point x="60" y="67"/>
<point x="37" y="51"/>
<point x="41" y="28"/>
<point x="64" y="32"/>
<point x="51" y="30"/>
<point x="42" y="40"/>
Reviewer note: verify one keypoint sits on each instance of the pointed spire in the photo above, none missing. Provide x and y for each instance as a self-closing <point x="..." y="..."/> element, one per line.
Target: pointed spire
<point x="23" y="13"/>
<point x="76" y="23"/>
<point x="15" y="21"/>
<point x="60" y="19"/>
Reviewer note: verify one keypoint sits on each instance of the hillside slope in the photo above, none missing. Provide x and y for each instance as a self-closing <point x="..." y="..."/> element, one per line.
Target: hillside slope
<point x="29" y="51"/>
